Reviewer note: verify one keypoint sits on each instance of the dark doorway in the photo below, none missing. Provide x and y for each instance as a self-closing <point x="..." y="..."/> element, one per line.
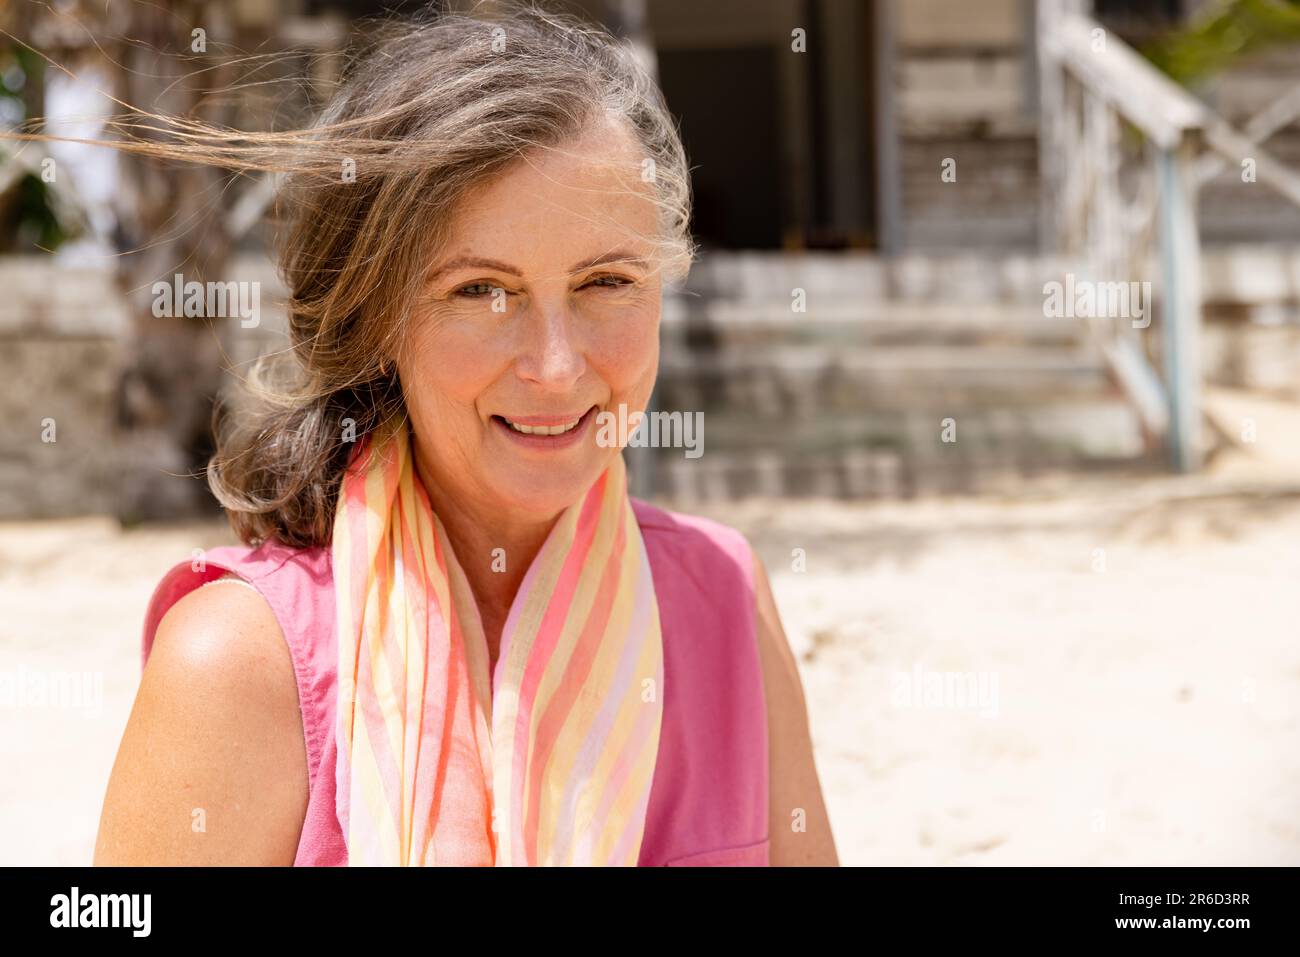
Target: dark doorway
<point x="727" y="103"/>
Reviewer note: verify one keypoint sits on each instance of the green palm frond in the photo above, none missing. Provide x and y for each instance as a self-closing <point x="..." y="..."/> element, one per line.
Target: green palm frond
<point x="1228" y="33"/>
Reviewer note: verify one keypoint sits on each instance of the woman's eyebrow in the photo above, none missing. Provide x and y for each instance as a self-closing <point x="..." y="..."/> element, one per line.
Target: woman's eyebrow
<point x="466" y="262"/>
<point x="617" y="256"/>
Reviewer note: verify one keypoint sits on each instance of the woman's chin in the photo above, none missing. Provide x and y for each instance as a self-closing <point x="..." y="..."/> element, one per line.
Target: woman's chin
<point x="544" y="491"/>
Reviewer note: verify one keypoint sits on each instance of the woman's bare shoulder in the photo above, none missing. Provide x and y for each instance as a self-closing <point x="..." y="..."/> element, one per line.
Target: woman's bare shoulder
<point x="212" y="768"/>
<point x="799" y="827"/>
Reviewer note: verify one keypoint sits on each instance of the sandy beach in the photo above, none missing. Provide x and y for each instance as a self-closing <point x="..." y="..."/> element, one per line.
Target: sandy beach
<point x="1089" y="672"/>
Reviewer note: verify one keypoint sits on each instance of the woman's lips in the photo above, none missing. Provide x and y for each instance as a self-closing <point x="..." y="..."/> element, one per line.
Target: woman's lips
<point x="542" y="437"/>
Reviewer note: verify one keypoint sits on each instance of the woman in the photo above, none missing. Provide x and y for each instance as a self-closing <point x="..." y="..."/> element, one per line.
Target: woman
<point x="452" y="637"/>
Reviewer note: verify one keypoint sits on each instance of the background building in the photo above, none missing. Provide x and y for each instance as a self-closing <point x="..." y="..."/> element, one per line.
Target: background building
<point x="891" y="166"/>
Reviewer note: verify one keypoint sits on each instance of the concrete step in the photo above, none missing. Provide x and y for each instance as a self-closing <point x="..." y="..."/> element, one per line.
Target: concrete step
<point x="805" y="380"/>
<point x="1097" y="428"/>
<point x="866" y="323"/>
<point x="888" y="452"/>
<point x="1231" y="273"/>
<point x="865" y="277"/>
<point x="855" y="473"/>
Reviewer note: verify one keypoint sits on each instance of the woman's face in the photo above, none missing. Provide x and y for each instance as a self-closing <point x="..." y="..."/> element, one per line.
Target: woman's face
<point x="542" y="313"/>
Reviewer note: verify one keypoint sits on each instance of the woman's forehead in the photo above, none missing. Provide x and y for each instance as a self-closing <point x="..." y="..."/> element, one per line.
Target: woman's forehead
<point x="597" y="167"/>
<point x="564" y="203"/>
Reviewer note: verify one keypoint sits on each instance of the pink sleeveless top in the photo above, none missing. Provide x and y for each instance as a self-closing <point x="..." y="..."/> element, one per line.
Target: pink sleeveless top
<point x="709" y="794"/>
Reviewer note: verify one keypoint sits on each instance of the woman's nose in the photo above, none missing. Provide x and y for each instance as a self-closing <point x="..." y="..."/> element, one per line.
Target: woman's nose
<point x="551" y="356"/>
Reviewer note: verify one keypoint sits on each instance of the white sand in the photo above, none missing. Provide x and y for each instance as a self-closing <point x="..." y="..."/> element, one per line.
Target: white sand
<point x="1144" y="714"/>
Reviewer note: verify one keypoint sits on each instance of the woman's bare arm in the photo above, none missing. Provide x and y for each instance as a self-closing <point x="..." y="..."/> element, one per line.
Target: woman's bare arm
<point x="212" y="768"/>
<point x="794" y="785"/>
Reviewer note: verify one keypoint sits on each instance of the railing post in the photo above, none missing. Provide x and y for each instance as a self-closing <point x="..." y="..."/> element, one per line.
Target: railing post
<point x="1053" y="122"/>
<point x="1050" y="91"/>
<point x="1180" y="266"/>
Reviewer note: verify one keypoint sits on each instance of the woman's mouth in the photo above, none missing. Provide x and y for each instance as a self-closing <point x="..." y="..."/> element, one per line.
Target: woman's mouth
<point x="545" y="431"/>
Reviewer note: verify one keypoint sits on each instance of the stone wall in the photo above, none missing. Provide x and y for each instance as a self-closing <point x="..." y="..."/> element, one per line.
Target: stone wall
<point x="61" y="336"/>
<point x="64" y="336"/>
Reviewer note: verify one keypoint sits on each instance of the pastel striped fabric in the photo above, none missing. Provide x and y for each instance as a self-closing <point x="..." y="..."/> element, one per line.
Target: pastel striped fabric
<point x="548" y="761"/>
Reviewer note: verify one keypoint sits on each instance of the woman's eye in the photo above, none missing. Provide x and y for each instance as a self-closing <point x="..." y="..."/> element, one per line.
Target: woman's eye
<point x="477" y="290"/>
<point x="610" y="282"/>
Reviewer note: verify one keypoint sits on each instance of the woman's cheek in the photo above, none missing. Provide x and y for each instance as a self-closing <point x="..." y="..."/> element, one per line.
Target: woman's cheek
<point x="627" y="352"/>
<point x="455" y="361"/>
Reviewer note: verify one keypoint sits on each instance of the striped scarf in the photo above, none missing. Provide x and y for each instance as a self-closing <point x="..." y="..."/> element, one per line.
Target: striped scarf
<point x="546" y="761"/>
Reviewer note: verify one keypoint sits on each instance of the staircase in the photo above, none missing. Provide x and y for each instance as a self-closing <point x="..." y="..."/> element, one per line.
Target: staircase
<point x="849" y="398"/>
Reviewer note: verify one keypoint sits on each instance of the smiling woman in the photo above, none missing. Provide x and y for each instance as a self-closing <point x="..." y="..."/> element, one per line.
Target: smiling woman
<point x="459" y="640"/>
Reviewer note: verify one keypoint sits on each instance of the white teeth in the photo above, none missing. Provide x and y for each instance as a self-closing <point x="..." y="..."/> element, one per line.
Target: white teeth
<point x="543" y="429"/>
